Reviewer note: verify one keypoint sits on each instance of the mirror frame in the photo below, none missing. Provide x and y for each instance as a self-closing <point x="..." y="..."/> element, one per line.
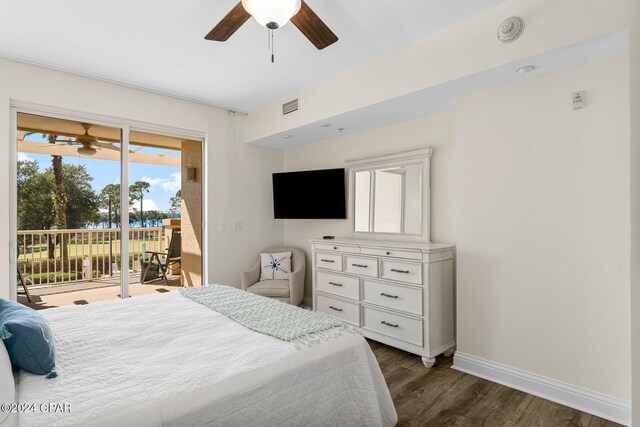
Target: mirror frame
<point x="417" y="156"/>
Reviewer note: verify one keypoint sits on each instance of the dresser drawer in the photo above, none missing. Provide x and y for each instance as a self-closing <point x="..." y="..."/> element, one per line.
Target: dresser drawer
<point x="393" y="325"/>
<point x="397" y="297"/>
<point x="362" y="266"/>
<point x="329" y="261"/>
<point x="338" y="284"/>
<point x="337" y="248"/>
<point x="393" y="253"/>
<point x="401" y="271"/>
<point x="347" y="311"/>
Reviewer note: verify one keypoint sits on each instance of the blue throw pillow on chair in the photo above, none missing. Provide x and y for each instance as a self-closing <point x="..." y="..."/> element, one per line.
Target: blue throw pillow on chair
<point x="28" y="339"/>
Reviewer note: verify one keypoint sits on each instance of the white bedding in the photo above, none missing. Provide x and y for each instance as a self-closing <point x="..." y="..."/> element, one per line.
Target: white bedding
<point x="164" y="360"/>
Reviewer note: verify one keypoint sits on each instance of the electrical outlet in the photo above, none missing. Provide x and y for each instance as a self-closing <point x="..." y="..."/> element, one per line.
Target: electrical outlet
<point x="222" y="226"/>
<point x="238" y="226"/>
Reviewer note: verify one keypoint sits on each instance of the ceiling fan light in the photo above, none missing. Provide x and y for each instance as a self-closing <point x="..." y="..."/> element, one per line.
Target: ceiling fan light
<point x="272" y="13"/>
<point x="87" y="151"/>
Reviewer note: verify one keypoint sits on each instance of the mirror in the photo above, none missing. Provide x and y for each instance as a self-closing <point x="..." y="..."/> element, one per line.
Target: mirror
<point x="389" y="199"/>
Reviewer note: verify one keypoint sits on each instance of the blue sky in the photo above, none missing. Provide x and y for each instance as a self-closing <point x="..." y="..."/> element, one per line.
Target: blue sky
<point x="164" y="180"/>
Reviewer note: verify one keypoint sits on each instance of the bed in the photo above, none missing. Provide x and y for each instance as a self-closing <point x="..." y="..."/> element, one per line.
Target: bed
<point x="165" y="360"/>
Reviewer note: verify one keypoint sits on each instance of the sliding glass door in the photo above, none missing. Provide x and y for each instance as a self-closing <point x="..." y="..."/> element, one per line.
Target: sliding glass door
<point x="165" y="190"/>
<point x="68" y="210"/>
<point x="103" y="212"/>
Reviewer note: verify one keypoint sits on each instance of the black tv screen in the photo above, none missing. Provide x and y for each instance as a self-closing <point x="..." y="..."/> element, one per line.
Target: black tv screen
<point x="318" y="194"/>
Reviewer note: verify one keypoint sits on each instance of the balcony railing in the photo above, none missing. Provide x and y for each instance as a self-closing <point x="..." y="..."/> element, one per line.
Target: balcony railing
<point x="55" y="257"/>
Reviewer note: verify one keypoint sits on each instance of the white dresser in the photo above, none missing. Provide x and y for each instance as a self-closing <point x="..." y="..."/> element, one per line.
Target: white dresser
<point x="398" y="293"/>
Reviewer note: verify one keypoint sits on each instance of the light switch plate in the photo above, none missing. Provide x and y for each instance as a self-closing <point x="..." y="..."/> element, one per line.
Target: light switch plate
<point x="238" y="226"/>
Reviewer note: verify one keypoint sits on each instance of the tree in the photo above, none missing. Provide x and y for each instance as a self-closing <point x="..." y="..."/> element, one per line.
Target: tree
<point x="134" y="216"/>
<point x="175" y="203"/>
<point x="59" y="197"/>
<point x="38" y="204"/>
<point x="109" y="200"/>
<point x="102" y="220"/>
<point x="82" y="206"/>
<point x="136" y="192"/>
<point x="34" y="205"/>
<point x="26" y="169"/>
<point x="153" y="217"/>
<point x="36" y="208"/>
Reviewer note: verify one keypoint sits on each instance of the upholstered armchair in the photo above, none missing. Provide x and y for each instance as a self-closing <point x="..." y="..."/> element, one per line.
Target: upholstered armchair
<point x="289" y="291"/>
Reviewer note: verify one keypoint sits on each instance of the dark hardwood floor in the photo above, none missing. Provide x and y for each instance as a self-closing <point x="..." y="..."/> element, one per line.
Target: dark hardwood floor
<point x="442" y="396"/>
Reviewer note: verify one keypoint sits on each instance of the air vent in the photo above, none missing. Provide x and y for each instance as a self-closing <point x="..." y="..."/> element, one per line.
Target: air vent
<point x="290" y="107"/>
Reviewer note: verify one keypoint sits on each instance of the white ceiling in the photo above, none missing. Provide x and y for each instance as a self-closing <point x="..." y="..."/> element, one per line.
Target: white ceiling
<point x="442" y="97"/>
<point x="159" y="44"/>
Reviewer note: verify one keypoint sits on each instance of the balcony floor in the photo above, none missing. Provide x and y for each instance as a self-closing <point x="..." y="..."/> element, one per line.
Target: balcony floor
<point x="90" y="292"/>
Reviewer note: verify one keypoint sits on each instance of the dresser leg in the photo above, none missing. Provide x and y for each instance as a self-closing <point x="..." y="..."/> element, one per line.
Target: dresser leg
<point x="428" y="362"/>
<point x="449" y="352"/>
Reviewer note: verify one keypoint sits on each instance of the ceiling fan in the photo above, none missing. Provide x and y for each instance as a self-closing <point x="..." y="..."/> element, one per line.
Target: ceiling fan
<point x="274" y="14"/>
<point x="88" y="144"/>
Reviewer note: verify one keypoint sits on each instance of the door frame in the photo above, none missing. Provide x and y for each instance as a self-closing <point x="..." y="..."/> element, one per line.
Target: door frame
<point x="126" y="126"/>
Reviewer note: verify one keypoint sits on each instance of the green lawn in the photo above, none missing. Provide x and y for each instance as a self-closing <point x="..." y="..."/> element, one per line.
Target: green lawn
<point x="39" y="252"/>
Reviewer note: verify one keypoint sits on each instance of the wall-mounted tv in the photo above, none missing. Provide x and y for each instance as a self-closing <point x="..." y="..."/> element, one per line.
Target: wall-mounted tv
<point x="316" y="194"/>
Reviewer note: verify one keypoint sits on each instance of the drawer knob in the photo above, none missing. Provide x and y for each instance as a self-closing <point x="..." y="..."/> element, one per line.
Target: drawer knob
<point x="360" y="265"/>
<point x="388" y="253"/>
<point x="327" y="260"/>
<point x="389" y="324"/>
<point x="335" y="284"/>
<point x="395" y="270"/>
<point x="389" y="296"/>
<point x="335" y="248"/>
<point x="335" y="308"/>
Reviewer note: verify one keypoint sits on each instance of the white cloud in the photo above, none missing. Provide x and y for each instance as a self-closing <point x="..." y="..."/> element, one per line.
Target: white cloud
<point x="147" y="205"/>
<point x="23" y="157"/>
<point x="169" y="185"/>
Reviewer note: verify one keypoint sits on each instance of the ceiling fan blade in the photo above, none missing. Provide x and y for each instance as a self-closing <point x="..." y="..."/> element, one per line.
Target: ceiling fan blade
<point x="229" y="24"/>
<point x="313" y="28"/>
<point x="106" y="146"/>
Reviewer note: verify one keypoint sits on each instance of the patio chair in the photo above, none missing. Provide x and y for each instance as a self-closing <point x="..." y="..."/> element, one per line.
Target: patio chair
<point x="159" y="262"/>
<point x="22" y="278"/>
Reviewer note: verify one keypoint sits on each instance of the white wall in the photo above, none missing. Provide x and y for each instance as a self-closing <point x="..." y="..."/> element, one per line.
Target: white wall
<point x="436" y="131"/>
<point x="238" y="174"/>
<point x="461" y="50"/>
<point x="543" y="227"/>
<point x="634" y="72"/>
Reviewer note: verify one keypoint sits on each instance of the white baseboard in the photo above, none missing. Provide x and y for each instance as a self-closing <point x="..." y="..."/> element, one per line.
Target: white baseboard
<point x="584" y="400"/>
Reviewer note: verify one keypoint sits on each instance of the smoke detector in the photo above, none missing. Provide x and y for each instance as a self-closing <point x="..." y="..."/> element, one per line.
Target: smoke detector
<point x="510" y="29"/>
